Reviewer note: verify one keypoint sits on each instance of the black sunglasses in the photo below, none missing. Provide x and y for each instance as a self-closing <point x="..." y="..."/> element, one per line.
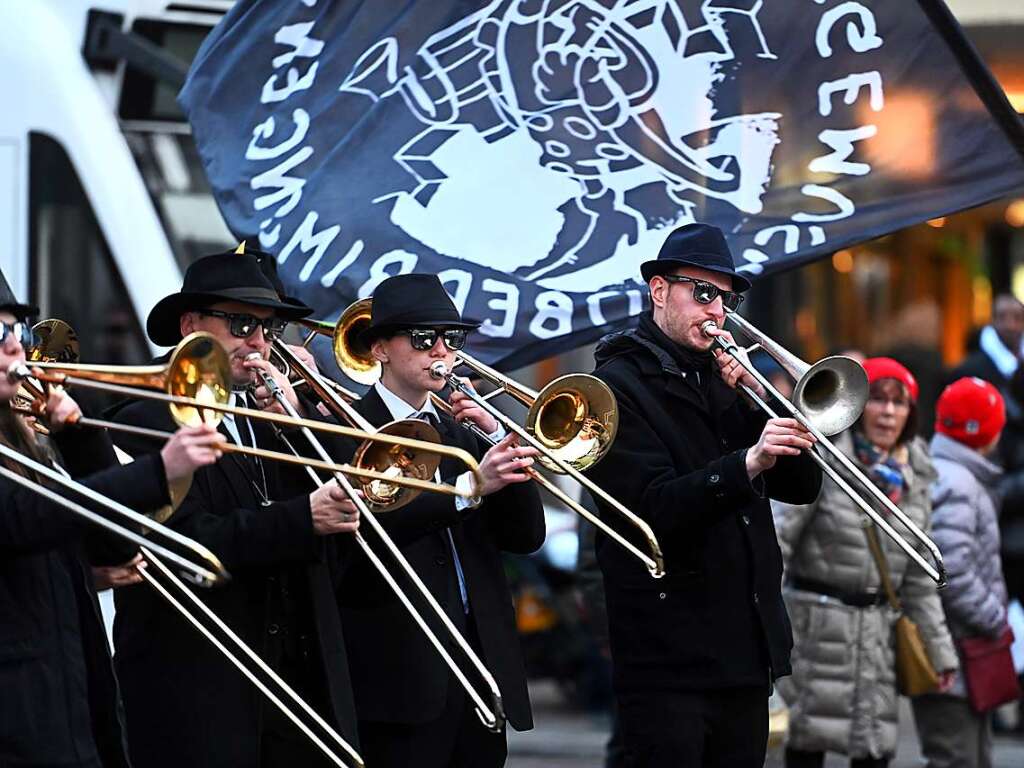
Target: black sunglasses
<point x="423" y="339"/>
<point x="705" y="292"/>
<point x="242" y="325"/>
<point x="22" y="332"/>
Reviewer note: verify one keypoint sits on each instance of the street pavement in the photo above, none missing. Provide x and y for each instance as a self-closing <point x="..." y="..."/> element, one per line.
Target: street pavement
<point x="567" y="738"/>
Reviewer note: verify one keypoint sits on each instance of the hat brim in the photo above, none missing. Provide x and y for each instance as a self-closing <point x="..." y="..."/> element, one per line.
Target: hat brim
<point x="20" y="310"/>
<point x="661" y="266"/>
<point x="373" y="332"/>
<point x="164" y="322"/>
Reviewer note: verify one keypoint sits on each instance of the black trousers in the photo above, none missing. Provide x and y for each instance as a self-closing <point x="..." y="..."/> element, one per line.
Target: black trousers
<point x="695" y="729"/>
<point x="457" y="739"/>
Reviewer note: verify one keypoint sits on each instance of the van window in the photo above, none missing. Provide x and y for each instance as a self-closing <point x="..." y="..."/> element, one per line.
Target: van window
<point x="72" y="275"/>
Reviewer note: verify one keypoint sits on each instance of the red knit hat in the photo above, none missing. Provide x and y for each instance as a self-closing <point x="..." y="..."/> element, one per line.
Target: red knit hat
<point x="878" y="368"/>
<point x="971" y="411"/>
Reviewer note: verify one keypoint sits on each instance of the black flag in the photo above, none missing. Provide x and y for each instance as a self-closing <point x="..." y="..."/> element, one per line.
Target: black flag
<point x="534" y="153"/>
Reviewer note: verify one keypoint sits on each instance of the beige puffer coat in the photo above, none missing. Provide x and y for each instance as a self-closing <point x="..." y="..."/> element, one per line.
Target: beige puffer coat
<point x="842" y="694"/>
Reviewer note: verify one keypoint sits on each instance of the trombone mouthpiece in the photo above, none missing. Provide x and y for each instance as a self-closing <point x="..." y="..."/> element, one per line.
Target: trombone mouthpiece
<point x="438" y="369"/>
<point x="17" y="372"/>
<point x="707" y="325"/>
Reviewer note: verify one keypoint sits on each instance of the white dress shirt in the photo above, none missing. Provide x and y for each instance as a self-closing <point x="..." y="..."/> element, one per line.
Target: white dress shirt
<point x="399" y="409"/>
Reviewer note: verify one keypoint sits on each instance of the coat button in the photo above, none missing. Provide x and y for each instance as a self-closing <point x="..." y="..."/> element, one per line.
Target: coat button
<point x="725" y="443"/>
<point x="439" y="560"/>
<point x="715" y="478"/>
<point x="746" y="519"/>
<point x="662" y="595"/>
<point x="756" y="599"/>
<point x="273" y="629"/>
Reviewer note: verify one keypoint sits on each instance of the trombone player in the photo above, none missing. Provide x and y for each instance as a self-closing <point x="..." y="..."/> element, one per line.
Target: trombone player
<point x="411" y="710"/>
<point x="185" y="704"/>
<point x="695" y="653"/>
<point x="59" y="703"/>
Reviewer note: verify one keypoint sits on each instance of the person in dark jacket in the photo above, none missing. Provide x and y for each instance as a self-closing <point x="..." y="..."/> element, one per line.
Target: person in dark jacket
<point x="411" y="709"/>
<point x="59" y="701"/>
<point x="694" y="653"/>
<point x="185" y="703"/>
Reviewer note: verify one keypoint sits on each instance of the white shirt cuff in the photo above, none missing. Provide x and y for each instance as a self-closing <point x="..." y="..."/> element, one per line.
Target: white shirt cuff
<point x="464" y="484"/>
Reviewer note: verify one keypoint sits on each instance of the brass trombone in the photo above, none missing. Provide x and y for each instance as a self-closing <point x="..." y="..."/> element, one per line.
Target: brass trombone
<point x="572" y="421"/>
<point x="195" y="384"/>
<point x="494" y="717"/>
<point x="828" y="399"/>
<point x="203" y="575"/>
<point x="202" y="364"/>
<point x="148" y="548"/>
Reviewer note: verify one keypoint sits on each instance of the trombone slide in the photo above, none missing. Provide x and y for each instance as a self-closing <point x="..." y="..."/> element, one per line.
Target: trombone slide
<point x="493" y="719"/>
<point x="654" y="561"/>
<point x="209" y="575"/>
<point x="937" y="572"/>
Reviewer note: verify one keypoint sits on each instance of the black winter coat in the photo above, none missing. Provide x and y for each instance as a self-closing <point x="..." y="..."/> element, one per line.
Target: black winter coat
<point x="185" y="703"/>
<point x="397" y="675"/>
<point x="717" y="618"/>
<point x="59" y="702"/>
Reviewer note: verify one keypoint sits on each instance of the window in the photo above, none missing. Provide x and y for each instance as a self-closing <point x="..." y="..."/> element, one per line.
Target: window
<point x="71" y="271"/>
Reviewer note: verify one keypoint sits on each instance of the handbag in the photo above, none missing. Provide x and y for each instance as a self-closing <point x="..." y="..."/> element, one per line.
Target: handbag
<point x="988" y="671"/>
<point x="915" y="674"/>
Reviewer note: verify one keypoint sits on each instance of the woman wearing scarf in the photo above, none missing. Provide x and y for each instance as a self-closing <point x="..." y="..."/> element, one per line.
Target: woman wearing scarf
<point x="842" y="695"/>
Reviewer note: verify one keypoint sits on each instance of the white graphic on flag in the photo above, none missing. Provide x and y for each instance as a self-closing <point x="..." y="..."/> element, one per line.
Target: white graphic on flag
<point x="546" y="121"/>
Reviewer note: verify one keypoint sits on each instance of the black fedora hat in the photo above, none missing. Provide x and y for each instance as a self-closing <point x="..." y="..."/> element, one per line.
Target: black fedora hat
<point x="412" y="301"/>
<point x="229" y="276"/>
<point x="695" y="245"/>
<point x="9" y="302"/>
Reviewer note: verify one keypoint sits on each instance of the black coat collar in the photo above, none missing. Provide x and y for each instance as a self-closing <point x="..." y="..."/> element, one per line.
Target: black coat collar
<point x="655" y="362"/>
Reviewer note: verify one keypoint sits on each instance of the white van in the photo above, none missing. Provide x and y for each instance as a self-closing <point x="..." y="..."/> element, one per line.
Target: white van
<point x="103" y="200"/>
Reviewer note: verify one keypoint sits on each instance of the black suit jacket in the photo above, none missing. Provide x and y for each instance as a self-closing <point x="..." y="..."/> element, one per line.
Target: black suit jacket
<point x="397" y="676"/>
<point x="185" y="703"/>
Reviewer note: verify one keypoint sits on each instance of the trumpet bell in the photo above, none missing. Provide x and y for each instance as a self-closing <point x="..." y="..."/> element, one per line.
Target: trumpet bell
<point x="57" y="343"/>
<point x="832" y="394"/>
<point x="199" y="369"/>
<point x="576" y="418"/>
<point x="397" y="461"/>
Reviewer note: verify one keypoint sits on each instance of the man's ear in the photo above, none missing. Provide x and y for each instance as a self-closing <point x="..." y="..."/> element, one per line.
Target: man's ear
<point x="379" y="351"/>
<point x="187" y="323"/>
<point x="659" y="291"/>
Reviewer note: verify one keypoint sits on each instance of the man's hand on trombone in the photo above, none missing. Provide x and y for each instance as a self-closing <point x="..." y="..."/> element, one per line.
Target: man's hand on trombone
<point x="780" y="437"/>
<point x="115" y="576"/>
<point x="265" y="400"/>
<point x="333" y="510"/>
<point x="732" y="370"/>
<point x="190" y="448"/>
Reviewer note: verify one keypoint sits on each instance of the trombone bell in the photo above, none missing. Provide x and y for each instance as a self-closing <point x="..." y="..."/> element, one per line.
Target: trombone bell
<point x="832" y="394"/>
<point x="199" y="369"/>
<point x="575" y="418"/>
<point x="350" y="353"/>
<point x="58" y="343"/>
<point x="397" y="461"/>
